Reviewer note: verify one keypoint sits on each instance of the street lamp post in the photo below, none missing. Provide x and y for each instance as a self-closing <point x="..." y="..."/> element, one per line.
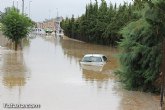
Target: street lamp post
<point x="29" y="7"/>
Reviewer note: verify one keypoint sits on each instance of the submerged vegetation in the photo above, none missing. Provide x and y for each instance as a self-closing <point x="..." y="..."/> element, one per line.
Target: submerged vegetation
<point x="137" y="28"/>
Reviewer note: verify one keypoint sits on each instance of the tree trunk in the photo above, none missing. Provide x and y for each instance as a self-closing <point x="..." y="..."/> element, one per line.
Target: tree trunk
<point x="21" y="43"/>
<point x="16" y="45"/>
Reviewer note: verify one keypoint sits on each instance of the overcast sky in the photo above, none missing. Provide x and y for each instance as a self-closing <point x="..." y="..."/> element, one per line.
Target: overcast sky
<point x="45" y="9"/>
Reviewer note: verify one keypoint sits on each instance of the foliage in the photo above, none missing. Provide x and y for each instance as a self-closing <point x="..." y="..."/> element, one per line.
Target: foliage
<point x="15" y="25"/>
<point x="101" y="23"/>
<point x="141" y="48"/>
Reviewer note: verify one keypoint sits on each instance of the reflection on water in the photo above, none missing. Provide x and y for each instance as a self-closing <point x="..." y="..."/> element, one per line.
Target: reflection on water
<point x="14" y="69"/>
<point x="96" y="68"/>
<point x="96" y="78"/>
<point x="48" y="72"/>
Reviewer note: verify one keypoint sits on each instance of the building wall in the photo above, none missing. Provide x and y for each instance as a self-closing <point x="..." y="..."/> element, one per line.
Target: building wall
<point x="48" y="24"/>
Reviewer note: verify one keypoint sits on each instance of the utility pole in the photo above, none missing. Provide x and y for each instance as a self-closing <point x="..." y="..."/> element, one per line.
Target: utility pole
<point x="22" y="14"/>
<point x="17" y="4"/>
<point x="162" y="76"/>
<point x="13" y="3"/>
<point x="57" y="12"/>
<point x="22" y="6"/>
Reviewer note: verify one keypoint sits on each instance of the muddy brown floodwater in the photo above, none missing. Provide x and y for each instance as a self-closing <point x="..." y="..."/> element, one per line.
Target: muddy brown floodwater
<point x="47" y="72"/>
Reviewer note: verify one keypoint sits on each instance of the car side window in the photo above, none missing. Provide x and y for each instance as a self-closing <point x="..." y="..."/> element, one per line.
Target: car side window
<point x="86" y="59"/>
<point x="99" y="59"/>
<point x="96" y="59"/>
<point x="104" y="58"/>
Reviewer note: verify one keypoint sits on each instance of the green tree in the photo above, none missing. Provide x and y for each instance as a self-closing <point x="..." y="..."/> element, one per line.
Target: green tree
<point x="15" y="25"/>
<point x="100" y="23"/>
<point x="141" y="48"/>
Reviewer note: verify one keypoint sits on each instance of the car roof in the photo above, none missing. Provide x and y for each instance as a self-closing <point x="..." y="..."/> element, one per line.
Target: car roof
<point x="95" y="55"/>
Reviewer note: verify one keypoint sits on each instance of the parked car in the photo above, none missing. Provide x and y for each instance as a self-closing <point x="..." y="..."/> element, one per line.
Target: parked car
<point x="94" y="59"/>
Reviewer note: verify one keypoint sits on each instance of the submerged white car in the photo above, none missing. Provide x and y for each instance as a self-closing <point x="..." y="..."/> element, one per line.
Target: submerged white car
<point x="94" y="59"/>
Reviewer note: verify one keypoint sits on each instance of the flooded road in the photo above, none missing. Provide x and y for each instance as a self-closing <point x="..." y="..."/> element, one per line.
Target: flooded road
<point x="47" y="72"/>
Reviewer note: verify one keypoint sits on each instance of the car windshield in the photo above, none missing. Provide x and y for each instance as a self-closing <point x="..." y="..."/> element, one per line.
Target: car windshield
<point x="92" y="59"/>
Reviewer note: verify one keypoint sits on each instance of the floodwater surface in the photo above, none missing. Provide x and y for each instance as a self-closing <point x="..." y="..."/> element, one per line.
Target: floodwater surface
<point x="48" y="72"/>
